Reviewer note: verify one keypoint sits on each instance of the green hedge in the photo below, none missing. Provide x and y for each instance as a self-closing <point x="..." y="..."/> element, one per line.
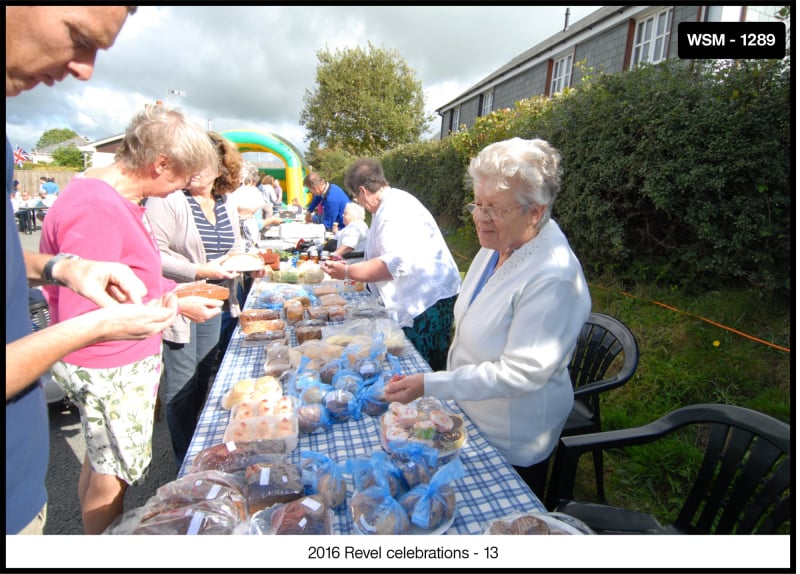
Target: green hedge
<point x="674" y="173"/>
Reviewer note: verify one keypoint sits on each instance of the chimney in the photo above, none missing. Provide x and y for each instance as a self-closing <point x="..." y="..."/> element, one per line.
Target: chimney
<point x="566" y="18"/>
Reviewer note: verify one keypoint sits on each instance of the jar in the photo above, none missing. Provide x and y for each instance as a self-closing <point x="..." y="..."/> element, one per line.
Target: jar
<point x="313" y="255"/>
<point x="325" y="256"/>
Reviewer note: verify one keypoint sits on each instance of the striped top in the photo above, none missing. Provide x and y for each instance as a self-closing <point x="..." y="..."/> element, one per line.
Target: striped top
<point x="217" y="239"/>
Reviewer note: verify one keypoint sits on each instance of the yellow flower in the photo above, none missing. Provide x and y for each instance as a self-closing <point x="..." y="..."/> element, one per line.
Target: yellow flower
<point x="716" y="343"/>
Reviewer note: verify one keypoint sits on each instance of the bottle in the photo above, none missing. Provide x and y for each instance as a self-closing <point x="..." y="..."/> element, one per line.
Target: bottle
<point x="335" y="227"/>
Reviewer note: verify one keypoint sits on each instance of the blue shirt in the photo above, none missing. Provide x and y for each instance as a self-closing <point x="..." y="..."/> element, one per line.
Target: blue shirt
<point x="333" y="202"/>
<point x="27" y="426"/>
<point x="51" y="188"/>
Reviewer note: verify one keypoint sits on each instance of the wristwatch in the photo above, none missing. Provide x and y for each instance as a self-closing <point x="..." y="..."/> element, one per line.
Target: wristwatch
<point x="47" y="272"/>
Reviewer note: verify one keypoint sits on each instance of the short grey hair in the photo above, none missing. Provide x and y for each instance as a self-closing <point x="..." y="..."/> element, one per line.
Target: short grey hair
<point x="157" y="131"/>
<point x="534" y="164"/>
<point x="250" y="174"/>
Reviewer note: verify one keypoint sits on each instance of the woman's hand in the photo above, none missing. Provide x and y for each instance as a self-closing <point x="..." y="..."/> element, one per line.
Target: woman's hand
<point x="404" y="389"/>
<point x="200" y="309"/>
<point x="336" y="269"/>
<point x="213" y="270"/>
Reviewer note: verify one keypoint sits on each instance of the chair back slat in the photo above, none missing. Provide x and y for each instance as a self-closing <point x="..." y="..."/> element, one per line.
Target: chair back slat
<point x="741" y="482"/>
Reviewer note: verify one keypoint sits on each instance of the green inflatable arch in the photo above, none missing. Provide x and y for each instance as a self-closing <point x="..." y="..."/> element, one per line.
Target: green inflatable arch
<point x="247" y="141"/>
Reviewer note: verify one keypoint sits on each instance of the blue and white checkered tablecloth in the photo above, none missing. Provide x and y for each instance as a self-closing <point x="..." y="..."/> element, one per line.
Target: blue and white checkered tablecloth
<point x="490" y="489"/>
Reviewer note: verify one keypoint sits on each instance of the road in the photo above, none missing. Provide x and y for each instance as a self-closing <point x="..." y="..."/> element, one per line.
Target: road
<point x="67" y="449"/>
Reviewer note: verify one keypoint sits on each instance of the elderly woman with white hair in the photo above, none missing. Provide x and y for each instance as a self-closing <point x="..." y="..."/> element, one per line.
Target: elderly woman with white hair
<point x="351" y="240"/>
<point x="519" y="313"/>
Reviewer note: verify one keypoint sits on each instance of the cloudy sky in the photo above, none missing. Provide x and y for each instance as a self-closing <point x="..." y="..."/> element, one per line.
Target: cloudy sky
<point x="249" y="67"/>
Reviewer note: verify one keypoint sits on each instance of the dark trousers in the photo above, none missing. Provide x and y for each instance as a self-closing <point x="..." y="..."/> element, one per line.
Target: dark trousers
<point x="188" y="369"/>
<point x="24" y="218"/>
<point x="535" y="476"/>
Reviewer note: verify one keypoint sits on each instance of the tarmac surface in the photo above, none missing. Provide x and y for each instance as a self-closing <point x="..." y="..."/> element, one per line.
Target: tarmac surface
<point x="67" y="450"/>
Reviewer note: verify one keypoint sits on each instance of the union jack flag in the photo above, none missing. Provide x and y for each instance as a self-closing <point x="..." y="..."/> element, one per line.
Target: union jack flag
<point x="20" y="155"/>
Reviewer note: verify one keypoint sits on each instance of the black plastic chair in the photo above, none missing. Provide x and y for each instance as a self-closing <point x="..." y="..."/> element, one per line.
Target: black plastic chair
<point x="743" y="485"/>
<point x="595" y="369"/>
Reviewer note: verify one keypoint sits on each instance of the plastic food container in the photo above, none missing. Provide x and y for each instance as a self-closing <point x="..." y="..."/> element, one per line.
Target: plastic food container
<point x="427" y="421"/>
<point x="248" y="421"/>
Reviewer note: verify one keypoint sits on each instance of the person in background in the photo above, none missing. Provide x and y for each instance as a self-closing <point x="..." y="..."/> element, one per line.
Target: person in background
<point x="40" y="43"/>
<point x="519" y="313"/>
<point x="43" y="184"/>
<point x="22" y="211"/>
<point x="196" y="229"/>
<point x="406" y="261"/>
<point x="249" y="203"/>
<point x="296" y="207"/>
<point x="51" y="187"/>
<point x="329" y="196"/>
<point x="276" y="183"/>
<point x="352" y="239"/>
<point x="115" y="385"/>
<point x="44" y="203"/>
<point x="271" y="198"/>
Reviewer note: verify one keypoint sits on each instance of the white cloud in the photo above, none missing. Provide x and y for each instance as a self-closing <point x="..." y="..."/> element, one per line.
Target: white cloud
<point x="248" y="67"/>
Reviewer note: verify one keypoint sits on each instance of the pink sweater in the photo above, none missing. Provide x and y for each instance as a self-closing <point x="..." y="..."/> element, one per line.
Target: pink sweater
<point x="92" y="220"/>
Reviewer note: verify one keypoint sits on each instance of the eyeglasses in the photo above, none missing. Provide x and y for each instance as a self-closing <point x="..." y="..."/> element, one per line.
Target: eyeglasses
<point x="490" y="212"/>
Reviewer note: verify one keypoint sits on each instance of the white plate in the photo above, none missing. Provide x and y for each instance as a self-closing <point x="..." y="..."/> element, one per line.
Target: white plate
<point x="416" y="530"/>
<point x="242" y="263"/>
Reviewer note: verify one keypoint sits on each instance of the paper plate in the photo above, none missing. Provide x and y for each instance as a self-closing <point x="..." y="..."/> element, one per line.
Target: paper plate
<point x="243" y="262"/>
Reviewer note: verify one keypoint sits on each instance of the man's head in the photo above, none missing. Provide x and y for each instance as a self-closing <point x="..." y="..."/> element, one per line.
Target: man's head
<point x="315" y="183"/>
<point x="48" y="43"/>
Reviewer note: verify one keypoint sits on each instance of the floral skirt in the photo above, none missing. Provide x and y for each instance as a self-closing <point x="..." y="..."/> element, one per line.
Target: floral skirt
<point x="117" y="407"/>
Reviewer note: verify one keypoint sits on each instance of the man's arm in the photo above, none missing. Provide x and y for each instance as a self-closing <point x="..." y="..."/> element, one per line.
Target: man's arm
<point x="30" y="357"/>
<point x="103" y="282"/>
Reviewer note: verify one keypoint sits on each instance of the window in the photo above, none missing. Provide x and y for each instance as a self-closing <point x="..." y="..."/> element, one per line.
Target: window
<point x="562" y="72"/>
<point x="652" y="38"/>
<point x="455" y="118"/>
<point x="486" y="103"/>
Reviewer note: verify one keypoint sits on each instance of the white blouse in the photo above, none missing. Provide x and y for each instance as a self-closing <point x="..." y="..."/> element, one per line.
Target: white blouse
<point x="507" y="365"/>
<point x="404" y="235"/>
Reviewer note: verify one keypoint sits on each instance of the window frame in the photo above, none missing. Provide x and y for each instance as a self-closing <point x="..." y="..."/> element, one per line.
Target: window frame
<point x="455" y="118"/>
<point x="487" y="96"/>
<point x="643" y="50"/>
<point x="561" y="76"/>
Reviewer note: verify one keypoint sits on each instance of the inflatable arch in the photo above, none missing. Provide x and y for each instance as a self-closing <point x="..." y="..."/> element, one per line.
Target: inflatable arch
<point x="248" y="141"/>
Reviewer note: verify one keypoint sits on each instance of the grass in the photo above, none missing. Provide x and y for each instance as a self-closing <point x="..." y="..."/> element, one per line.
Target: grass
<point x="683" y="360"/>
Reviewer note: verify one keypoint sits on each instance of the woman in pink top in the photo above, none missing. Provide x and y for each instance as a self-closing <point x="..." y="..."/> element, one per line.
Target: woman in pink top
<point x="115" y="383"/>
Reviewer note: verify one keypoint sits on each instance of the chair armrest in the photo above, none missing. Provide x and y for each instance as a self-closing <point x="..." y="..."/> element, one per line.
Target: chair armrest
<point x="598" y="387"/>
<point x="570" y="449"/>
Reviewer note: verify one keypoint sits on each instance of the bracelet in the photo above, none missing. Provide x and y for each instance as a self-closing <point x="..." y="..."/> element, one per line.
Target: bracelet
<point x="47" y="272"/>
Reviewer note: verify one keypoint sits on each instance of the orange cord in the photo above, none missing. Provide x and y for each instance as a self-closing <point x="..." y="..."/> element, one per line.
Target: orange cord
<point x="732" y="330"/>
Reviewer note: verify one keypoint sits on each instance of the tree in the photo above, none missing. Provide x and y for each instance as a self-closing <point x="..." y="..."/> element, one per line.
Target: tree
<point x="55" y="136"/>
<point x="68" y="156"/>
<point x="366" y="101"/>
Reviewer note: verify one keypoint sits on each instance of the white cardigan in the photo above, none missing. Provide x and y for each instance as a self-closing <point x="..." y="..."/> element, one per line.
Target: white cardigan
<point x="507" y="365"/>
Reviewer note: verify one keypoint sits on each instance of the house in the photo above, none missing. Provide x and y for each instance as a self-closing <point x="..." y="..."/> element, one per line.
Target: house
<point x="610" y="40"/>
<point x="101" y="152"/>
<point x="45" y="154"/>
